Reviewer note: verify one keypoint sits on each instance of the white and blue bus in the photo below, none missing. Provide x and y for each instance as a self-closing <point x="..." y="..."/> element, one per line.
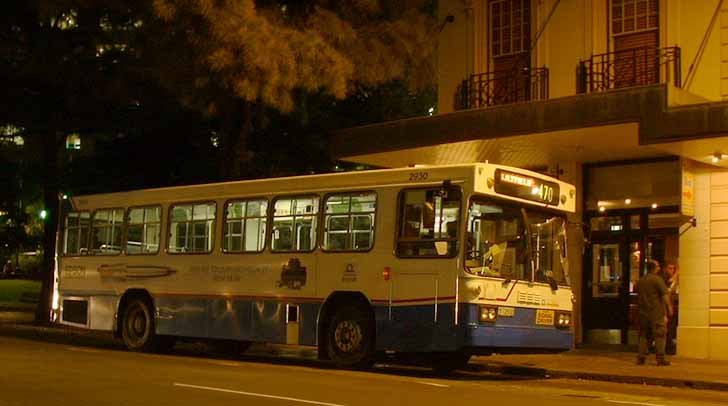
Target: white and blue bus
<point x="445" y="261"/>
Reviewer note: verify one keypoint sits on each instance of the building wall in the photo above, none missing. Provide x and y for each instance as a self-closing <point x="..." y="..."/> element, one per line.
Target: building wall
<point x="703" y="324"/>
<point x="686" y="26"/>
<point x="577" y="30"/>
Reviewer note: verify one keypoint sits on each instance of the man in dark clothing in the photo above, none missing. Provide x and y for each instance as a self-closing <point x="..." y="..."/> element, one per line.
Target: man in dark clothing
<point x="654" y="302"/>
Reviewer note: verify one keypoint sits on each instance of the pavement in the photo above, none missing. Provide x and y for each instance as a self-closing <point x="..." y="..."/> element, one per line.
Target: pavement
<point x="583" y="364"/>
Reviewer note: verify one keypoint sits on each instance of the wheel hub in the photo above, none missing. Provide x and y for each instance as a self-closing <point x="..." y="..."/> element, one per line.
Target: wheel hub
<point x="348" y="336"/>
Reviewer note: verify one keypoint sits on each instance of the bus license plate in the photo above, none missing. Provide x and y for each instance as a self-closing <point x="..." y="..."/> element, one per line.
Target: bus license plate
<point x="545" y="317"/>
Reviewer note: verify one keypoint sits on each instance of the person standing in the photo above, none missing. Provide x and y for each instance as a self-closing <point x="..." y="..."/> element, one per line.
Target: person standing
<point x="672" y="281"/>
<point x="655" y="308"/>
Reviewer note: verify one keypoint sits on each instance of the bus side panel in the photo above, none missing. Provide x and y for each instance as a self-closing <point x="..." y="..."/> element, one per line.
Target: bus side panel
<point x="182" y="316"/>
<point x="413" y="329"/>
<point x="230" y="319"/>
<point x="227" y="318"/>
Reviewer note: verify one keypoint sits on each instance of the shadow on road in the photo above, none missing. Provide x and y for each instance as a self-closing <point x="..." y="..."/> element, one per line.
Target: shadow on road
<point x="258" y="353"/>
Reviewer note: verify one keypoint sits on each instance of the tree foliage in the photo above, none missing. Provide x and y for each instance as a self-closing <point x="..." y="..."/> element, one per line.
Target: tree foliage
<point x="266" y="51"/>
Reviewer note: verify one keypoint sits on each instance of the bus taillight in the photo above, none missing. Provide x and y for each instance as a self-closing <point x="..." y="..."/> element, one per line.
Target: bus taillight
<point x="386" y="273"/>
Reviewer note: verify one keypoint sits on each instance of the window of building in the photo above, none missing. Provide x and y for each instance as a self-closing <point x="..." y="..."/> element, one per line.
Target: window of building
<point x="510" y="26"/>
<point x="349" y="221"/>
<point x="106" y="231"/>
<point x="191" y="228"/>
<point x="294" y="224"/>
<point x="75" y="241"/>
<point x="245" y="222"/>
<point x="73" y="141"/>
<point x="633" y="15"/>
<point x="428" y="223"/>
<point x="143" y="230"/>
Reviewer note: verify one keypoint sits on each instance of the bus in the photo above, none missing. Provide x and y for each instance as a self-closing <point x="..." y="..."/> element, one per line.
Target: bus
<point x="441" y="261"/>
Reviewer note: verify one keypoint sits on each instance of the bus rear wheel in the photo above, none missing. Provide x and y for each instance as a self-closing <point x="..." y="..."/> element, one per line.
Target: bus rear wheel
<point x="138" y="329"/>
<point x="350" y="339"/>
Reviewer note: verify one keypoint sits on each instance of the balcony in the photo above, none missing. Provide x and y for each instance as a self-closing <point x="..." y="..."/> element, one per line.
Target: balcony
<point x="629" y="68"/>
<point x="502" y="87"/>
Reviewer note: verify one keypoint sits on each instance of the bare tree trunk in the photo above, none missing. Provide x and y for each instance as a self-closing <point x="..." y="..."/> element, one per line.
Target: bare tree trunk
<point x="50" y="202"/>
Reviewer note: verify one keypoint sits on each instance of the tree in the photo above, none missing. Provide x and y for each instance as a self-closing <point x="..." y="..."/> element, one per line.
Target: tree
<point x="245" y="57"/>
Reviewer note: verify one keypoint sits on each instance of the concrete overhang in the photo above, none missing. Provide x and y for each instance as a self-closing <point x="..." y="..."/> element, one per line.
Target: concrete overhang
<point x="625" y="124"/>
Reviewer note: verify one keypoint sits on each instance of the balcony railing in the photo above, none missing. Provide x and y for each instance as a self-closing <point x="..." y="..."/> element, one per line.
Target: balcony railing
<point x="628" y="68"/>
<point x="502" y="87"/>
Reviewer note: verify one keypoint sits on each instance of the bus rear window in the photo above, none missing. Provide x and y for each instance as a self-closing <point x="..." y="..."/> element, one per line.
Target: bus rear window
<point x="75" y="241"/>
<point x="428" y="223"/>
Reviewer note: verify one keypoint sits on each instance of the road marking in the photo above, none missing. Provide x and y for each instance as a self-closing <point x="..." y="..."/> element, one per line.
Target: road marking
<point x="625" y="402"/>
<point x="226" y="363"/>
<point x="439" y="385"/>
<point x="77" y="349"/>
<point x="261" y="395"/>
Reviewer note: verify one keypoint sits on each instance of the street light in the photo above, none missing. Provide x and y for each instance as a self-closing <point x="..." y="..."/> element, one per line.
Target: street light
<point x="43" y="214"/>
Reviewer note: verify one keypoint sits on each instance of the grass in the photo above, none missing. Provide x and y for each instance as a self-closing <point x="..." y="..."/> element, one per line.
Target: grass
<point x="11" y="291"/>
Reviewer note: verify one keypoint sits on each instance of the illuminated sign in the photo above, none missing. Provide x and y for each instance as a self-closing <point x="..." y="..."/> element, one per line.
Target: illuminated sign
<point x="526" y="187"/>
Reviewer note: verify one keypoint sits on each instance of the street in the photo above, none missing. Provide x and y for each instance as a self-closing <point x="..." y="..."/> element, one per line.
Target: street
<point x="36" y="372"/>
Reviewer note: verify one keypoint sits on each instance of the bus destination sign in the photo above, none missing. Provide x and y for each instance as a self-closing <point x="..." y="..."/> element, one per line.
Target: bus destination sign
<point x="526" y="187"/>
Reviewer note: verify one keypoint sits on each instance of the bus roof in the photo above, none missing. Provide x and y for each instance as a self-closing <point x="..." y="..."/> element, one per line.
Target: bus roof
<point x="359" y="180"/>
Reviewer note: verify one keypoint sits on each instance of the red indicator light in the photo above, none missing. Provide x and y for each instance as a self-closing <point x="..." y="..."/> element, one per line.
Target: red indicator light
<point x="386" y="273"/>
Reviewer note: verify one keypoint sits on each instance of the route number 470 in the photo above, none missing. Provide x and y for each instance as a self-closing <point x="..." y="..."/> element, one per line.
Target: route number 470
<point x="418" y="176"/>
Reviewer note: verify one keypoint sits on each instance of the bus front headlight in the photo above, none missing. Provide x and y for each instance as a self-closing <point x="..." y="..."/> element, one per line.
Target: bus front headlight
<point x="488" y="314"/>
<point x="563" y="320"/>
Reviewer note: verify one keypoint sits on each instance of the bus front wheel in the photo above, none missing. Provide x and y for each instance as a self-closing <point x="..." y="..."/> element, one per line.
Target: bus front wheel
<point x="350" y="339"/>
<point x="138" y="331"/>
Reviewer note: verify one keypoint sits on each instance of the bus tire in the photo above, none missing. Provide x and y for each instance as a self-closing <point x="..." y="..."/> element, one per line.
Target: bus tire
<point x="138" y="328"/>
<point x="445" y="363"/>
<point x="350" y="338"/>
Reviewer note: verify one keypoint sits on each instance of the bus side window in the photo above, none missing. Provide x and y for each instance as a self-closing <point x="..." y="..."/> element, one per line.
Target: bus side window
<point x="429" y="221"/>
<point x="106" y="231"/>
<point x="143" y="230"/>
<point x="245" y="222"/>
<point x="191" y="227"/>
<point x="294" y="223"/>
<point x="349" y="221"/>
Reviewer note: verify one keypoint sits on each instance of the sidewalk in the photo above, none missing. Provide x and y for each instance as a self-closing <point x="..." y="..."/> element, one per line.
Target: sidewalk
<point x="588" y="364"/>
<point x="605" y="365"/>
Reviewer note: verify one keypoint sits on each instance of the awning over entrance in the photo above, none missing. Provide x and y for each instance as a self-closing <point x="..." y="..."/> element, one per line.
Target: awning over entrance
<point x="635" y="123"/>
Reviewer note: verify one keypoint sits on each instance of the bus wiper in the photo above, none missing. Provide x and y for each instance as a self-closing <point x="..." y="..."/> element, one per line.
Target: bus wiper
<point x="529" y="248"/>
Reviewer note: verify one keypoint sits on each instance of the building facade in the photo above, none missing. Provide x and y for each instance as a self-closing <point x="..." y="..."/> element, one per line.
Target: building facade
<point x="624" y="98"/>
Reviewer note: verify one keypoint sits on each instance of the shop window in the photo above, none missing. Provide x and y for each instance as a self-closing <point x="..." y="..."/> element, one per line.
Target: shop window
<point x="106" y="231"/>
<point x="191" y="228"/>
<point x="349" y="222"/>
<point x="143" y="230"/>
<point x="294" y="224"/>
<point x="75" y="241"/>
<point x="245" y="223"/>
<point x="609" y="223"/>
<point x="607" y="270"/>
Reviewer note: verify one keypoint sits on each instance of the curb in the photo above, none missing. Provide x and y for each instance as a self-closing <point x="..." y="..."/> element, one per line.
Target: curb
<point x="518" y="370"/>
<point x="75" y="336"/>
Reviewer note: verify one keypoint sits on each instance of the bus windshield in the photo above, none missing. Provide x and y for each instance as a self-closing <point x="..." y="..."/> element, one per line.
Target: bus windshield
<point x="512" y="242"/>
